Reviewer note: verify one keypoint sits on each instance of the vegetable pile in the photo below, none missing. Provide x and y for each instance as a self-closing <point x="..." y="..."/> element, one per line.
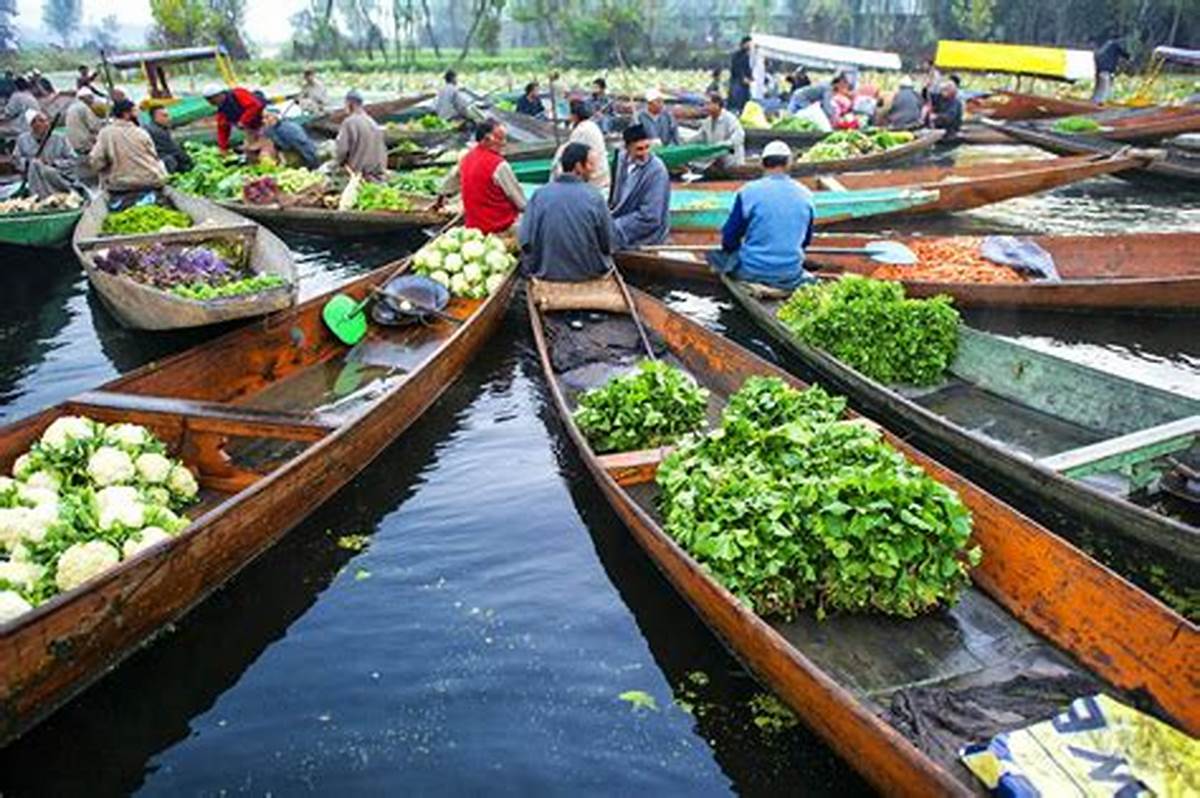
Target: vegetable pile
<point x="872" y="327"/>
<point x="420" y="181"/>
<point x="1074" y="125"/>
<point x="428" y="122"/>
<point x="466" y="261"/>
<point x="789" y="507"/>
<point x="84" y="497"/>
<point x="795" y="124"/>
<point x="144" y="219"/>
<point x="853" y="143"/>
<point x="211" y="270"/>
<point x="951" y="260"/>
<point x="379" y="197"/>
<point x="655" y="405"/>
<point x="217" y="175"/>
<point x="55" y="202"/>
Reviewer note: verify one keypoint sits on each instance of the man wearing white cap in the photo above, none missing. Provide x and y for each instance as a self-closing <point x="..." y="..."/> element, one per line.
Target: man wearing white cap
<point x="81" y="121"/>
<point x="361" y="145"/>
<point x="771" y="223"/>
<point x="236" y="108"/>
<point x="903" y="110"/>
<point x="20" y="102"/>
<point x="50" y="170"/>
<point x="658" y="121"/>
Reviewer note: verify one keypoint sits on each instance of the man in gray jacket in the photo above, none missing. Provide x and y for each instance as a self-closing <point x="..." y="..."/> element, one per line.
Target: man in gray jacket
<point x="361" y="145"/>
<point x="566" y="233"/>
<point x="641" y="193"/>
<point x="51" y="171"/>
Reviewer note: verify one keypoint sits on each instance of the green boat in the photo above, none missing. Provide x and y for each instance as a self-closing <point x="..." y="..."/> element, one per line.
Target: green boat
<point x="676" y="157"/>
<point x="45" y="230"/>
<point x="708" y="210"/>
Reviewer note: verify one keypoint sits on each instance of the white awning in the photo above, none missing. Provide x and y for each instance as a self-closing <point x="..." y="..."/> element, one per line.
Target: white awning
<point x="1178" y="55"/>
<point x="822" y="56"/>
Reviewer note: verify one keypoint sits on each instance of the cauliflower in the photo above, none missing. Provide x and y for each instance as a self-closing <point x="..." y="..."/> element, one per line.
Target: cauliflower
<point x="36" y="497"/>
<point x="19" y="524"/>
<point x="120" y="505"/>
<point x="473" y="273"/>
<point x="22" y="575"/>
<point x="470" y="234"/>
<point x="8" y="491"/>
<point x="493" y="283"/>
<point x="66" y="429"/>
<point x="452" y="263"/>
<point x="127" y="436"/>
<point x="22" y="466"/>
<point x="421" y="261"/>
<point x="448" y="244"/>
<point x="433" y="258"/>
<point x="156" y="495"/>
<point x="182" y="483"/>
<point x="495" y="244"/>
<point x="20" y="553"/>
<point x="142" y="540"/>
<point x="110" y="466"/>
<point x="473" y="250"/>
<point x="459" y="286"/>
<point x="82" y="562"/>
<point x="440" y="277"/>
<point x="163" y="518"/>
<point x="153" y="468"/>
<point x="497" y="262"/>
<point x="12" y="606"/>
<point x="44" y="479"/>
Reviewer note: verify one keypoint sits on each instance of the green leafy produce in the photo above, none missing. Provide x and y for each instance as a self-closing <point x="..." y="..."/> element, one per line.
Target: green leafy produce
<point x="795" y="124"/>
<point x="871" y="326"/>
<point x="1073" y="125"/>
<point x="420" y="181"/>
<point x="789" y="508"/>
<point x="853" y="143"/>
<point x="144" y="219"/>
<point x="297" y="181"/>
<point x="218" y="175"/>
<point x="655" y="405"/>
<point x="380" y="197"/>
<point x="248" y="285"/>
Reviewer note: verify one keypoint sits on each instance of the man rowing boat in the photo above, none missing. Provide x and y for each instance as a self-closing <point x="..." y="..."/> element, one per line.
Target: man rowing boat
<point x="236" y="108"/>
<point x="51" y="170"/>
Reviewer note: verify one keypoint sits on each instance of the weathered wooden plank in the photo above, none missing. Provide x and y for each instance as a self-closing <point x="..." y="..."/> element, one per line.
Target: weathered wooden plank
<point x="1125" y="451"/>
<point x="634" y="468"/>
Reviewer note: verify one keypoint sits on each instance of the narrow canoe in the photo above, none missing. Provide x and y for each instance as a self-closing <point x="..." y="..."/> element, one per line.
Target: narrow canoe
<point x="145" y="308"/>
<point x="44" y="230"/>
<point x="1159" y="164"/>
<point x="1014" y="106"/>
<point x="693" y="210"/>
<point x="329" y="124"/>
<point x="1140" y="273"/>
<point x="796" y="139"/>
<point x="341" y="224"/>
<point x="1035" y="599"/>
<point x="274" y="418"/>
<point x="961" y="188"/>
<point x="1034" y="422"/>
<point x="676" y="157"/>
<point x="923" y="143"/>
<point x="1135" y="125"/>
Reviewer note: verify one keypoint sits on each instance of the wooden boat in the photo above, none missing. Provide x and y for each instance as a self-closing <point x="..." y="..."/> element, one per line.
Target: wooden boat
<point x="960" y="188"/>
<point x="343" y="224"/>
<point x="1135" y="125"/>
<point x="274" y="418"/>
<point x="145" y="308"/>
<point x="676" y="157"/>
<point x="1035" y="600"/>
<point x="707" y="210"/>
<point x="382" y="112"/>
<point x="52" y="106"/>
<point x="47" y="229"/>
<point x="923" y="143"/>
<point x="1140" y="273"/>
<point x="757" y="138"/>
<point x="1007" y="105"/>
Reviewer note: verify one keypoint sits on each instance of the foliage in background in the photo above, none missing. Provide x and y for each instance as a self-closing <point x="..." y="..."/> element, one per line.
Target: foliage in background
<point x="62" y="17"/>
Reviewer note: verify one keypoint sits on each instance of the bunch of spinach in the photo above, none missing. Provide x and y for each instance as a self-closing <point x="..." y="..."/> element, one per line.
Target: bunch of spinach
<point x="871" y="326"/>
<point x="789" y="507"/>
<point x="655" y="405"/>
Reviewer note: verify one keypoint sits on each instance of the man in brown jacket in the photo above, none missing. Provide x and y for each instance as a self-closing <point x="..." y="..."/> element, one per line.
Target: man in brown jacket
<point x="360" y="142"/>
<point x="124" y="156"/>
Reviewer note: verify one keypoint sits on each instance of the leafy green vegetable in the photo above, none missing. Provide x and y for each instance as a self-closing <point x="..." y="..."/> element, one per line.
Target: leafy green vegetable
<point x="248" y="285"/>
<point x="852" y="143"/>
<point x="218" y="175"/>
<point x="420" y="181"/>
<point x="655" y="405"/>
<point x="789" y="508"/>
<point x="639" y="700"/>
<point x="871" y="326"/>
<point x="1072" y="125"/>
<point x="143" y="219"/>
<point x="378" y="197"/>
<point x="797" y="124"/>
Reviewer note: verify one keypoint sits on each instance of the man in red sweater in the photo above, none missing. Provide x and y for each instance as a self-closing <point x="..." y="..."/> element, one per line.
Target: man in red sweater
<point x="236" y="107"/>
<point x="491" y="196"/>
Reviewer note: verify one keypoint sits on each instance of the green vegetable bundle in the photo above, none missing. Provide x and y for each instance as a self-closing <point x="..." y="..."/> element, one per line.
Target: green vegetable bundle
<point x="1073" y="125"/>
<point x="789" y="507"/>
<point x="795" y="124"/>
<point x="420" y="181"/>
<point x="144" y="219"/>
<point x="379" y="197"/>
<point x="218" y="175"/>
<point x="871" y="326"/>
<point x="248" y="285"/>
<point x="655" y="405"/>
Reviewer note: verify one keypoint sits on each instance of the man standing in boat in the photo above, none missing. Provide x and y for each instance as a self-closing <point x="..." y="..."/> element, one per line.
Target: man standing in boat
<point x="1108" y="57"/>
<point x="771" y="223"/>
<point x="124" y="156"/>
<point x="361" y="146"/>
<point x="50" y="170"/>
<point x="492" y="198"/>
<point x="741" y="75"/>
<point x="641" y="194"/>
<point x="313" y="98"/>
<point x="236" y="108"/>
<point x="566" y="234"/>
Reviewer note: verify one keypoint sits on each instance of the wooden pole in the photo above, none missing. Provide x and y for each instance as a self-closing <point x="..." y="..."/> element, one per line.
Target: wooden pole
<point x="554" y="107"/>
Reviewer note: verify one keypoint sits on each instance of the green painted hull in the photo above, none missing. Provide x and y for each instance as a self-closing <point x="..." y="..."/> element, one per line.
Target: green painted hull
<point x="44" y="230"/>
<point x="708" y="210"/>
<point x="675" y="157"/>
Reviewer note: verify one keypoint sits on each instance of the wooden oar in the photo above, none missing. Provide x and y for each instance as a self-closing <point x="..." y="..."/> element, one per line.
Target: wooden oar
<point x="891" y="252"/>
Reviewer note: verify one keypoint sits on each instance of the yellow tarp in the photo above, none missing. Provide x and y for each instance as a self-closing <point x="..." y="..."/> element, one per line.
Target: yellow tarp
<point x="1016" y="59"/>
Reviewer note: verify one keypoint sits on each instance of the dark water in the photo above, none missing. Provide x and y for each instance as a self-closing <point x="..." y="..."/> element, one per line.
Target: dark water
<point x="481" y="640"/>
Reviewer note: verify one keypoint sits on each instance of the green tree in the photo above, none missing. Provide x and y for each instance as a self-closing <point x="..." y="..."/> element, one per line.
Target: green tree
<point x="62" y="17"/>
<point x="974" y="17"/>
<point x="228" y="17"/>
<point x="179" y="23"/>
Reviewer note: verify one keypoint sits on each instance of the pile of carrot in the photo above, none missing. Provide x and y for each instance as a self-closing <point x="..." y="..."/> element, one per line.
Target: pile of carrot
<point x="949" y="260"/>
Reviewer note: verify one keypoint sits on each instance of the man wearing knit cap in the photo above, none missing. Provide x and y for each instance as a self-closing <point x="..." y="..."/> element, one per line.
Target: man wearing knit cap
<point x="361" y="145"/>
<point x="50" y="165"/>
<point x="658" y="120"/>
<point x="641" y="194"/>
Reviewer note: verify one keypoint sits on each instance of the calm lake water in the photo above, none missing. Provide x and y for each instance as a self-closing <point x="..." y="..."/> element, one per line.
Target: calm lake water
<point x="482" y="638"/>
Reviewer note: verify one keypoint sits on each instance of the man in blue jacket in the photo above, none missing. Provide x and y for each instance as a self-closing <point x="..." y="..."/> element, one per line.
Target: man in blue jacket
<point x="641" y="193"/>
<point x="771" y="223"/>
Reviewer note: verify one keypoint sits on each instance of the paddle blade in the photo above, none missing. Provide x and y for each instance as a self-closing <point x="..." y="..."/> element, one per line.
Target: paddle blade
<point x="891" y="252"/>
<point x="344" y="318"/>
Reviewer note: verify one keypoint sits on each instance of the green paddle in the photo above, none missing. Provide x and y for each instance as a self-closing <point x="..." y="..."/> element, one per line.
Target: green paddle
<point x="345" y="318"/>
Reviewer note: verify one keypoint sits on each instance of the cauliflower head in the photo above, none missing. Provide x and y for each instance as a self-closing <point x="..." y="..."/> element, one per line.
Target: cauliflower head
<point x="47" y="479"/>
<point x="120" y="505"/>
<point x="84" y="561"/>
<point x="22" y="575"/>
<point x="12" y="606"/>
<point x="110" y="466"/>
<point x="65" y="429"/>
<point x="153" y="468"/>
<point x="182" y="483"/>
<point x="127" y="436"/>
<point x="22" y="466"/>
<point x="144" y="539"/>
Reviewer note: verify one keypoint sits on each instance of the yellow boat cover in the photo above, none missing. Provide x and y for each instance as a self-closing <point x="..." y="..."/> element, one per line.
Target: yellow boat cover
<point x="1016" y="59"/>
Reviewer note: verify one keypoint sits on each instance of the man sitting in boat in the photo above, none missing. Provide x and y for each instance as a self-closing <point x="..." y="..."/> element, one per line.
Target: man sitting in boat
<point x="361" y="144"/>
<point x="282" y="136"/>
<point x="313" y="98"/>
<point x="81" y="121"/>
<point x="771" y="223"/>
<point x="903" y="109"/>
<point x="720" y="126"/>
<point x="451" y="104"/>
<point x="20" y="102"/>
<point x="492" y="198"/>
<point x="173" y="156"/>
<point x="641" y="193"/>
<point x="236" y="108"/>
<point x="530" y="103"/>
<point x="659" y="122"/>
<point x="566" y="234"/>
<point x="947" y="109"/>
<point x="51" y="170"/>
<point x="124" y="156"/>
<point x="584" y="130"/>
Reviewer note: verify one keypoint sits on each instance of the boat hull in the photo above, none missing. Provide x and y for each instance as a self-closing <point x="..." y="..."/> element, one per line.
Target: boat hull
<point x="922" y="144"/>
<point x="41" y="230"/>
<point x="337" y="224"/>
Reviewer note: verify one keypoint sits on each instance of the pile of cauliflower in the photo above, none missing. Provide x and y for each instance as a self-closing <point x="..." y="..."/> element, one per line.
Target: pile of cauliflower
<point x="469" y="263"/>
<point x="84" y="497"/>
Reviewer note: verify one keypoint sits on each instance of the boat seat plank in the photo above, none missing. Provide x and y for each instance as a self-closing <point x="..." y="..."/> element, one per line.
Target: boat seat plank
<point x="1127" y="450"/>
<point x="187" y="235"/>
<point x="199" y="416"/>
<point x="831" y="183"/>
<point x="634" y="468"/>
